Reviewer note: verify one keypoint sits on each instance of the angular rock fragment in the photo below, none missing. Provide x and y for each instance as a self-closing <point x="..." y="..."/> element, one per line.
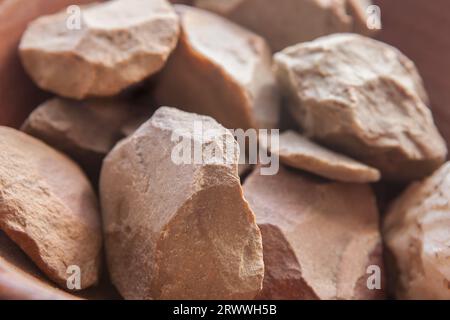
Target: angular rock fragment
<point x="416" y="233"/>
<point x="364" y="99"/>
<point x="179" y="229"/>
<point x="287" y="22"/>
<point x="298" y="152"/>
<point x="319" y="238"/>
<point x="48" y="208"/>
<point x="85" y="130"/>
<point x="20" y="279"/>
<point x="221" y="70"/>
<point x="116" y="44"/>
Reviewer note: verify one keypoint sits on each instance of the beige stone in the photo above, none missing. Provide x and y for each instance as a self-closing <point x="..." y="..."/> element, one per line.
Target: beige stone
<point x="118" y="43"/>
<point x="299" y="152"/>
<point x="318" y="237"/>
<point x="364" y="99"/>
<point x="221" y="70"/>
<point x="20" y="279"/>
<point x="85" y="130"/>
<point x="48" y="208"/>
<point x="416" y="233"/>
<point x="179" y="230"/>
<point x="287" y="22"/>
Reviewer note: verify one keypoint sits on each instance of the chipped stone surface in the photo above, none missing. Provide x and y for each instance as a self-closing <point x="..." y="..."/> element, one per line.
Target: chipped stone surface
<point x="365" y="99"/>
<point x="20" y="279"/>
<point x="221" y="70"/>
<point x="416" y="233"/>
<point x="299" y="152"/>
<point x="85" y="130"/>
<point x="48" y="208"/>
<point x="287" y="22"/>
<point x="318" y="237"/>
<point x="119" y="43"/>
<point x="178" y="231"/>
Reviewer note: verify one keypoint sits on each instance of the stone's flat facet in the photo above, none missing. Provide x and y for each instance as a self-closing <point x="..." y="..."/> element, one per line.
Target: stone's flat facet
<point x="319" y="237"/>
<point x="416" y="233"/>
<point x="287" y="22"/>
<point x="364" y="99"/>
<point x="179" y="231"/>
<point x="221" y="70"/>
<point x="117" y="44"/>
<point x="48" y="208"/>
<point x="85" y="130"/>
<point x="20" y="279"/>
<point x="299" y="152"/>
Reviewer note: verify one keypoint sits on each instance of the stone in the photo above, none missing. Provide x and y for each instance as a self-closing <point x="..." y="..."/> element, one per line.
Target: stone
<point x="416" y="233"/>
<point x="364" y="99"/>
<point x="20" y="279"/>
<point x="221" y="70"/>
<point x="287" y="22"/>
<point x="49" y="208"/>
<point x="408" y="17"/>
<point x="118" y="43"/>
<point x="299" y="152"/>
<point x="18" y="94"/>
<point x="85" y="130"/>
<point x="179" y="229"/>
<point x="319" y="237"/>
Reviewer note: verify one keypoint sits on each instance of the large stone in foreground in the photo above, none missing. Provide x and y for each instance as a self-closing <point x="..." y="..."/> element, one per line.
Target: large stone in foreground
<point x="178" y="231"/>
<point x="287" y="22"/>
<point x="118" y="43"/>
<point x="417" y="237"/>
<point x="221" y="70"/>
<point x="85" y="130"/>
<point x="48" y="208"/>
<point x="365" y="99"/>
<point x="319" y="237"/>
<point x="299" y="152"/>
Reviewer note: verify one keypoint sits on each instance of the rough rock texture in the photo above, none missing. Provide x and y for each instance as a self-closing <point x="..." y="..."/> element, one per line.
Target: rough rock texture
<point x="120" y="43"/>
<point x="318" y="237"/>
<point x="221" y="70"/>
<point x="85" y="130"/>
<point x="288" y="22"/>
<point x="365" y="99"/>
<point x="416" y="233"/>
<point x="20" y="279"/>
<point x="299" y="152"/>
<point x="197" y="240"/>
<point x="18" y="94"/>
<point x="48" y="207"/>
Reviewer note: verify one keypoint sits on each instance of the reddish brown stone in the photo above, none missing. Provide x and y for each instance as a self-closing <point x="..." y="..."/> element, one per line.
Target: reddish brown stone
<point x="318" y="237"/>
<point x="416" y="233"/>
<point x="221" y="70"/>
<point x="119" y="43"/>
<point x="372" y="109"/>
<point x="178" y="231"/>
<point x="287" y="22"/>
<point x="85" y="130"/>
<point x="48" y="208"/>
